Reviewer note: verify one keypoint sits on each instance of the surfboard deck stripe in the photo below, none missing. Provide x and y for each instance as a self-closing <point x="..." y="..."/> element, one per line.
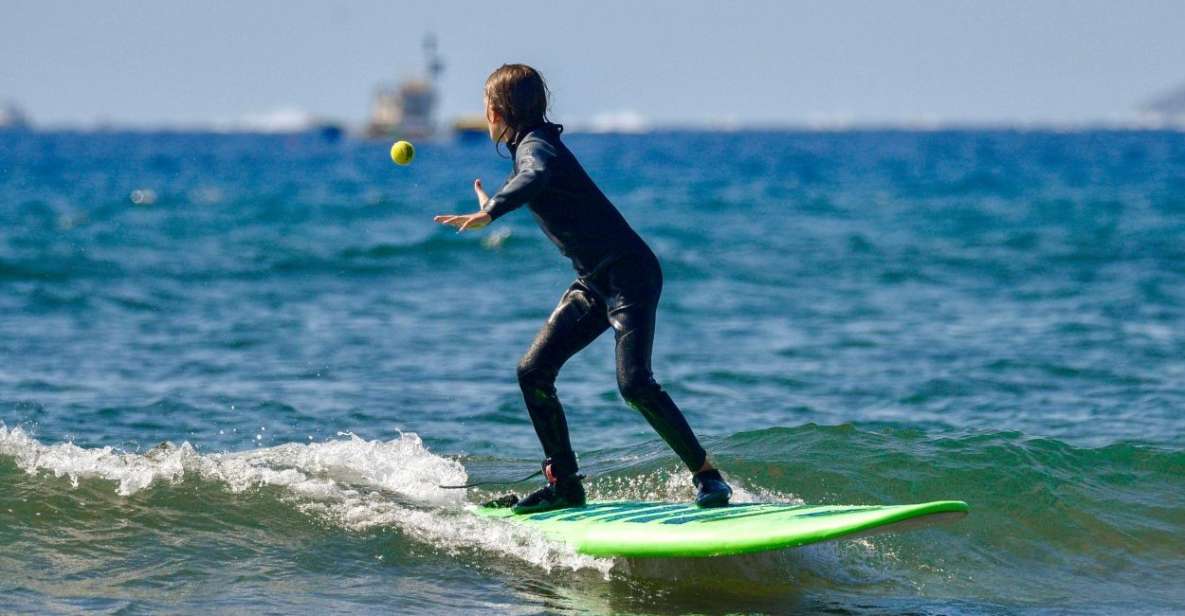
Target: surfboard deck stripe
<point x="641" y="529"/>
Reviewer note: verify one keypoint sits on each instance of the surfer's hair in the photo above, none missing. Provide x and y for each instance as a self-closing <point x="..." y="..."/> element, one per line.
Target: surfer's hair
<point x="518" y="94"/>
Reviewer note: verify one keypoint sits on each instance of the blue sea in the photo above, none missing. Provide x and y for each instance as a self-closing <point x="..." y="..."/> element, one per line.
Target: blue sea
<point x="234" y="370"/>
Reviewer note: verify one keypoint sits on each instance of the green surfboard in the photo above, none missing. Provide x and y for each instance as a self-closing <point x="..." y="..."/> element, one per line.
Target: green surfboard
<point x="639" y="529"/>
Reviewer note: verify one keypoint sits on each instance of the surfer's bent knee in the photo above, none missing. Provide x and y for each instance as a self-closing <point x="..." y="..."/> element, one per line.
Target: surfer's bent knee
<point x="636" y="389"/>
<point x="532" y="376"/>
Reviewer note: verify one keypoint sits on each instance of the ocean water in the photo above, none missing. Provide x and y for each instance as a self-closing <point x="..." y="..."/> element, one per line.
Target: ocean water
<point x="234" y="371"/>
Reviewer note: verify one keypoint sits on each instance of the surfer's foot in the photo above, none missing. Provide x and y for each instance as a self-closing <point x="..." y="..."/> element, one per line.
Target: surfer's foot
<point x="713" y="491"/>
<point x="560" y="491"/>
<point x="566" y="492"/>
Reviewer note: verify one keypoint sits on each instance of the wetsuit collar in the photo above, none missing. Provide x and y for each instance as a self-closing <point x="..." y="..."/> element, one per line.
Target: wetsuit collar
<point x="558" y="128"/>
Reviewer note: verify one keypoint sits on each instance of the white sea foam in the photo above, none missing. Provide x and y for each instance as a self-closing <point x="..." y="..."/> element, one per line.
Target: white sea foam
<point x="359" y="485"/>
<point x="349" y="482"/>
<point x="674" y="484"/>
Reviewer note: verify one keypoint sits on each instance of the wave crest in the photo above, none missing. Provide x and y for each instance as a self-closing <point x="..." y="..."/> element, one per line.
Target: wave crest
<point x="349" y="483"/>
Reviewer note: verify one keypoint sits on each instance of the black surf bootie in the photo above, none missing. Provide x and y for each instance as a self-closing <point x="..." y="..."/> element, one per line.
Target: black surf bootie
<point x="559" y="493"/>
<point x="713" y="491"/>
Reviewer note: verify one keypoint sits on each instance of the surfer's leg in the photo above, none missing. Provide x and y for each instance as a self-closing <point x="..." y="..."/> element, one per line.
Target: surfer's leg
<point x="633" y="320"/>
<point x="578" y="319"/>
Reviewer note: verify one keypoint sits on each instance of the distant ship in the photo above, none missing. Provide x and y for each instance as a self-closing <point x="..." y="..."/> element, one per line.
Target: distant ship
<point x="13" y="118"/>
<point x="471" y="128"/>
<point x="408" y="110"/>
<point x="1168" y="109"/>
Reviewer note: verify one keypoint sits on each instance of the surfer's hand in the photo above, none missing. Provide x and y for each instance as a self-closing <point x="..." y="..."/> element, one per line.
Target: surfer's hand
<point x="464" y="221"/>
<point x="469" y="221"/>
<point x="482" y="197"/>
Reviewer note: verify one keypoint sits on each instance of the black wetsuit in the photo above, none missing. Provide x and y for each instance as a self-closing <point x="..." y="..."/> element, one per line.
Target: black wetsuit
<point x="618" y="285"/>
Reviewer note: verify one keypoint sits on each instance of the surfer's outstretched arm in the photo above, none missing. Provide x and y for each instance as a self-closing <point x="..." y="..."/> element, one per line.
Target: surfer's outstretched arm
<point x="532" y="163"/>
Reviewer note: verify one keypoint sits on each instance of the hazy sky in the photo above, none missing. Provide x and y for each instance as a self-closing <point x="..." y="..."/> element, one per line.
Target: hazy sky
<point x="169" y="61"/>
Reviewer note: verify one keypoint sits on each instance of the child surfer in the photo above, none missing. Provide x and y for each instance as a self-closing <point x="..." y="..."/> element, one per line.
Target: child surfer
<point x="617" y="285"/>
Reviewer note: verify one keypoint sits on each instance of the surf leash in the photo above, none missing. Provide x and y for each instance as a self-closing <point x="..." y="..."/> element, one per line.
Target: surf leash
<point x="492" y="483"/>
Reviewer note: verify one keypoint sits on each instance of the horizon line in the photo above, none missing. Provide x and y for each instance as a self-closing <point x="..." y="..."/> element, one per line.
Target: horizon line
<point x="1170" y="124"/>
